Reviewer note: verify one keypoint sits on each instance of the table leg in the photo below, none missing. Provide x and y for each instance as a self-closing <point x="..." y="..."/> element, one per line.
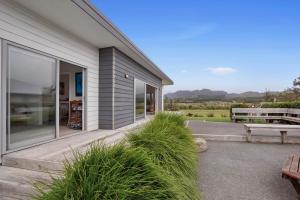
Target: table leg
<point x="296" y="186"/>
<point x="248" y="135"/>
<point x="283" y="136"/>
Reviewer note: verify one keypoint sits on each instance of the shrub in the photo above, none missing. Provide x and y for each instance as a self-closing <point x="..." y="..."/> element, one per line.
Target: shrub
<point x="210" y="115"/>
<point x="293" y="104"/>
<point x="189" y="115"/>
<point x="223" y="115"/>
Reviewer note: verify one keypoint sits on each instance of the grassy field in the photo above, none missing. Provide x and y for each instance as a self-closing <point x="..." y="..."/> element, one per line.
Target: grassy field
<point x="208" y="115"/>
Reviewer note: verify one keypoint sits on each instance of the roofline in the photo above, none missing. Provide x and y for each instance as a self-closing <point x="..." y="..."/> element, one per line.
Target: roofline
<point x="95" y="14"/>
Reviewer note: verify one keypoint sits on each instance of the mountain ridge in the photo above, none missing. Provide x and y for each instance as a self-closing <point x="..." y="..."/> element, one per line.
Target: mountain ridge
<point x="207" y="94"/>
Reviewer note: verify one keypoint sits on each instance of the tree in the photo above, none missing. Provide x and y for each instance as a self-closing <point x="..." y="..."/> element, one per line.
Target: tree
<point x="296" y="83"/>
<point x="267" y="95"/>
<point x="296" y="88"/>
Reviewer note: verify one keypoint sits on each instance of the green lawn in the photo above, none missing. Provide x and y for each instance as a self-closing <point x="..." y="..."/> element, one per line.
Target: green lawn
<point x="208" y="115"/>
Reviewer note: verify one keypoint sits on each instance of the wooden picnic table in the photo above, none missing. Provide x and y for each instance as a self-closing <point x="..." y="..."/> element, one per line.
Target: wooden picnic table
<point x="291" y="171"/>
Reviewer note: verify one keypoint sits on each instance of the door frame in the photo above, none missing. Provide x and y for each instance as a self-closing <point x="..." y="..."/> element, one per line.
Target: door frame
<point x="83" y="98"/>
<point x="156" y="96"/>
<point x="3" y="100"/>
<point x="145" y="97"/>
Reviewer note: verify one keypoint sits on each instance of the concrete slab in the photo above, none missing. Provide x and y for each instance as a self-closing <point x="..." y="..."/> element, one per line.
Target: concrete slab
<point x="216" y="128"/>
<point x="225" y="138"/>
<point x="17" y="183"/>
<point x="245" y="171"/>
<point x="224" y="131"/>
<point x="49" y="157"/>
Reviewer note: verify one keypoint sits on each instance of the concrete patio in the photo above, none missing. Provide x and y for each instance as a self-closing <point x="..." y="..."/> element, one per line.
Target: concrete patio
<point x="245" y="171"/>
<point x="240" y="170"/>
<point x="235" y="132"/>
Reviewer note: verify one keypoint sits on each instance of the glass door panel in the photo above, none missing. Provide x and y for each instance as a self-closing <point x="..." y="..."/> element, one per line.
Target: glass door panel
<point x="139" y="99"/>
<point x="31" y="98"/>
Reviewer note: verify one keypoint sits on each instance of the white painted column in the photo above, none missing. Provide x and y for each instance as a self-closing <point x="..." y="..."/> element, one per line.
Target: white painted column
<point x="145" y="100"/>
<point x="1" y="129"/>
<point x="57" y="99"/>
<point x="162" y="98"/>
<point x="134" y="100"/>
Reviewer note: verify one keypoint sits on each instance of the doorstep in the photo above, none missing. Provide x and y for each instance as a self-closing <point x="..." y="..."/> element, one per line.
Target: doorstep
<point x="17" y="183"/>
<point x="49" y="157"/>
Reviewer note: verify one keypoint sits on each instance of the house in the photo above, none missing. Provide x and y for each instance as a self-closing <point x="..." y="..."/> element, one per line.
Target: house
<point x="66" y="69"/>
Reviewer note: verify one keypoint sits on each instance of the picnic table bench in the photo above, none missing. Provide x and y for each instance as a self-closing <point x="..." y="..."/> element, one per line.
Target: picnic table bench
<point x="291" y="171"/>
<point x="291" y="115"/>
<point x="281" y="128"/>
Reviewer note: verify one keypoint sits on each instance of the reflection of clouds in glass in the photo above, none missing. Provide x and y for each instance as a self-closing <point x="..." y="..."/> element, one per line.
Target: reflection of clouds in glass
<point x="30" y="73"/>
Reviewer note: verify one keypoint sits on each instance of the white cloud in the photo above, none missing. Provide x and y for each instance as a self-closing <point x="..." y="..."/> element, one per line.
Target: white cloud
<point x="221" y="70"/>
<point x="184" y="71"/>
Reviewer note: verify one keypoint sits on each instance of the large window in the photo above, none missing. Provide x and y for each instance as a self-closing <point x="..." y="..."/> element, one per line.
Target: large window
<point x="31" y="97"/>
<point x="139" y="99"/>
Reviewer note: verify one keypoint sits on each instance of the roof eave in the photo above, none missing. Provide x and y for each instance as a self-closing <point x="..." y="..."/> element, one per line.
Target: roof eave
<point x="100" y="18"/>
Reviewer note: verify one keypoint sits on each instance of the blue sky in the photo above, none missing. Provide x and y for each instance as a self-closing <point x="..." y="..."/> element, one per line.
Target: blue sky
<point x="232" y="45"/>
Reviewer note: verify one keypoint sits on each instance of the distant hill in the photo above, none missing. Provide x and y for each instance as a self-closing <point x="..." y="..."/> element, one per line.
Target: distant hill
<point x="207" y="94"/>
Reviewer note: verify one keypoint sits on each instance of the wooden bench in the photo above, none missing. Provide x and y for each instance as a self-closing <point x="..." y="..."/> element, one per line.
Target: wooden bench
<point x="290" y="115"/>
<point x="281" y="128"/>
<point x="291" y="171"/>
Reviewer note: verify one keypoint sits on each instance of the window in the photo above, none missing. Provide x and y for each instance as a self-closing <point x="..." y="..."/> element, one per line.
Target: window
<point x="139" y="99"/>
<point x="31" y="97"/>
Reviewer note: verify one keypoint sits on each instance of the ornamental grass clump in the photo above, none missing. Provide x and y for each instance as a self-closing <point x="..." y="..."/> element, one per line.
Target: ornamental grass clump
<point x="170" y="145"/>
<point x="158" y="162"/>
<point x="111" y="173"/>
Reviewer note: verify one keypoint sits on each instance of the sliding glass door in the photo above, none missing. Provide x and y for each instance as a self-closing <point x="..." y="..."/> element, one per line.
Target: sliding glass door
<point x="139" y="99"/>
<point x="31" y="97"/>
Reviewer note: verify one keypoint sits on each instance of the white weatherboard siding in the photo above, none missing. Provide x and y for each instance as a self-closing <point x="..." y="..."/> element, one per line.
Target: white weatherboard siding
<point x="23" y="27"/>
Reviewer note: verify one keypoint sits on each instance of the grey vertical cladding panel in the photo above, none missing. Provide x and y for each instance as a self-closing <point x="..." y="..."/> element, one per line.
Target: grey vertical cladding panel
<point x="106" y="88"/>
<point x="124" y="87"/>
